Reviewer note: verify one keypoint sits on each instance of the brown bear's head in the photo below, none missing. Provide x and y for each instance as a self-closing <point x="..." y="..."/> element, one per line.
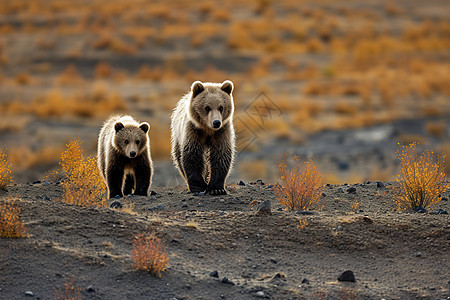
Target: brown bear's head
<point x="211" y="104"/>
<point x="130" y="140"/>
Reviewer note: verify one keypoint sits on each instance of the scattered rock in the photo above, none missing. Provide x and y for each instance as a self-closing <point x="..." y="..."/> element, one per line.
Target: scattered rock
<point x="259" y="181"/>
<point x="304" y="212"/>
<point x="418" y="254"/>
<point x="46" y="198"/>
<point x="264" y="208"/>
<point x="442" y="212"/>
<point x="158" y="207"/>
<point x="241" y="183"/>
<point x="340" y="228"/>
<point x="260" y="294"/>
<point x="36" y="182"/>
<point x="214" y="273"/>
<point x="421" y="210"/>
<point x="184" y="206"/>
<point x="227" y="281"/>
<point x="274" y="261"/>
<point x="188" y="286"/>
<point x="29" y="294"/>
<point x="324" y="195"/>
<point x="432" y="288"/>
<point x="340" y="190"/>
<point x="305" y="281"/>
<point x="380" y="184"/>
<point x="116" y="197"/>
<point x="347" y="276"/>
<point x="90" y="289"/>
<point x="351" y="190"/>
<point x="116" y="204"/>
<point x="444" y="199"/>
<point x="366" y="219"/>
<point x="153" y="193"/>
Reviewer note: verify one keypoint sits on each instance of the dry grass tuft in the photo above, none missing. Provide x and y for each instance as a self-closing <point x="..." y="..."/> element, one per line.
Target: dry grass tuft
<point x="149" y="254"/>
<point x="301" y="186"/>
<point x="84" y="185"/>
<point x="5" y="170"/>
<point x="70" y="292"/>
<point x="10" y="224"/>
<point x="421" y="178"/>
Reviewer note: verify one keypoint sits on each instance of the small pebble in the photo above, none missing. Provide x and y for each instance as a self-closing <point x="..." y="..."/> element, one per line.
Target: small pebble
<point x="432" y="288"/>
<point x="214" y="273"/>
<point x="324" y="195"/>
<point x="304" y="212"/>
<point x="188" y="286"/>
<point x="351" y="190"/>
<point x="241" y="183"/>
<point x="116" y="204"/>
<point x="46" y="198"/>
<point x="200" y="205"/>
<point x="380" y="184"/>
<point x="90" y="289"/>
<point x="264" y="208"/>
<point x="116" y="197"/>
<point x="421" y="210"/>
<point x="305" y="281"/>
<point x="442" y="212"/>
<point x="274" y="261"/>
<point x="340" y="190"/>
<point x="36" y="182"/>
<point x="339" y="228"/>
<point x="418" y="254"/>
<point x="347" y="276"/>
<point x="227" y="281"/>
<point x="260" y="294"/>
<point x="153" y="193"/>
<point x="29" y="294"/>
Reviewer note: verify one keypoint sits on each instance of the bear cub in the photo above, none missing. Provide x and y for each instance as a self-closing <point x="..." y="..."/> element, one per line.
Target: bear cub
<point x="203" y="138"/>
<point x="123" y="156"/>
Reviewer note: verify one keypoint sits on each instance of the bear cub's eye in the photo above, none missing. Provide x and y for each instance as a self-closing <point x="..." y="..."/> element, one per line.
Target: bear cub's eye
<point x="127" y="141"/>
<point x="221" y="109"/>
<point x="208" y="109"/>
<point x="137" y="142"/>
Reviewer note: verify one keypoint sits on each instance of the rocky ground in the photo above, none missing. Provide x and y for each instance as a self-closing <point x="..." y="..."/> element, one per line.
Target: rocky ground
<point x="282" y="255"/>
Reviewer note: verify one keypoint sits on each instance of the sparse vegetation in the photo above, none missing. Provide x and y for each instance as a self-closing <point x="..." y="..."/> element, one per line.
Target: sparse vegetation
<point x="84" y="185"/>
<point x="421" y="178"/>
<point x="149" y="254"/>
<point x="5" y="170"/>
<point x="69" y="292"/>
<point x="301" y="186"/>
<point x="10" y="224"/>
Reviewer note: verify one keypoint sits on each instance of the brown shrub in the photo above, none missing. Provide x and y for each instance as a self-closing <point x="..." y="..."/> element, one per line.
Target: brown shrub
<point x="5" y="170"/>
<point x="69" y="292"/>
<point x="421" y="178"/>
<point x="23" y="78"/>
<point x="10" y="224"/>
<point x="301" y="185"/>
<point x="70" y="75"/>
<point x="149" y="254"/>
<point x="84" y="185"/>
<point x="103" y="70"/>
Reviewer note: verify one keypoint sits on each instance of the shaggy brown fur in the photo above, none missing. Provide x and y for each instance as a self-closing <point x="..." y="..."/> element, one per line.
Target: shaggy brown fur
<point x="124" y="149"/>
<point x="203" y="138"/>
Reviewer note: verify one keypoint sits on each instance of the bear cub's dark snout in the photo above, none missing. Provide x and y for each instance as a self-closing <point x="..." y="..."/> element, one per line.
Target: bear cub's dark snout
<point x="216" y="124"/>
<point x="133" y="153"/>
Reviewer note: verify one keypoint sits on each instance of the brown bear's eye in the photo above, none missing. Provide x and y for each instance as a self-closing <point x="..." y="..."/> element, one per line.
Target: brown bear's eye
<point x="221" y="109"/>
<point x="208" y="109"/>
<point x="137" y="142"/>
<point x="127" y="141"/>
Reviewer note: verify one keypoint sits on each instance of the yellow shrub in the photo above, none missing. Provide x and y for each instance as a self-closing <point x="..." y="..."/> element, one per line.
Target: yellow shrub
<point x="5" y="170"/>
<point x="10" y="224"/>
<point x="301" y="186"/>
<point x="421" y="178"/>
<point x="84" y="185"/>
<point x="69" y="292"/>
<point x="149" y="254"/>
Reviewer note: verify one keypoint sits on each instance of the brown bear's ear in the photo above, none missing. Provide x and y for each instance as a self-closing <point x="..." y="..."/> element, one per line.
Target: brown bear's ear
<point x="196" y="88"/>
<point x="144" y="126"/>
<point x="118" y="126"/>
<point x="227" y="87"/>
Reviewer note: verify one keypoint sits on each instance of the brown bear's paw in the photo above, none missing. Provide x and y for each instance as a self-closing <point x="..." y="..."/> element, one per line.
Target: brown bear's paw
<point x="220" y="191"/>
<point x="197" y="188"/>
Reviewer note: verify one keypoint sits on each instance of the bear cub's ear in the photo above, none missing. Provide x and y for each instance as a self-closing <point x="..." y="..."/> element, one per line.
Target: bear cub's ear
<point x="196" y="88"/>
<point x="227" y="87"/>
<point x="144" y="126"/>
<point x="118" y="126"/>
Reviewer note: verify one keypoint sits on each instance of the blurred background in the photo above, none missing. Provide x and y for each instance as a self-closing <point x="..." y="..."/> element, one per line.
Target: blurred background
<point x="339" y="82"/>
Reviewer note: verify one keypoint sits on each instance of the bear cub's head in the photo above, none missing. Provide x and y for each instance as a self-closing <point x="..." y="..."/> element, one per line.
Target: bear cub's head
<point x="130" y="140"/>
<point x="211" y="104"/>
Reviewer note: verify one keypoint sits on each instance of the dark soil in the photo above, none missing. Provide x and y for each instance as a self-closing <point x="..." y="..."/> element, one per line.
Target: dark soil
<point x="393" y="255"/>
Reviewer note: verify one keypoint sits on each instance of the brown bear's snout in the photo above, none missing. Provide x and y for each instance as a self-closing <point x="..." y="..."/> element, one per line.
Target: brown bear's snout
<point x="132" y="153"/>
<point x="216" y="124"/>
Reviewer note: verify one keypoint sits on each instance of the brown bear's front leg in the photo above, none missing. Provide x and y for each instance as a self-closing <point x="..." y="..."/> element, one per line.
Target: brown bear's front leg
<point x="142" y="175"/>
<point x="114" y="178"/>
<point x="194" y="166"/>
<point x="220" y="161"/>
